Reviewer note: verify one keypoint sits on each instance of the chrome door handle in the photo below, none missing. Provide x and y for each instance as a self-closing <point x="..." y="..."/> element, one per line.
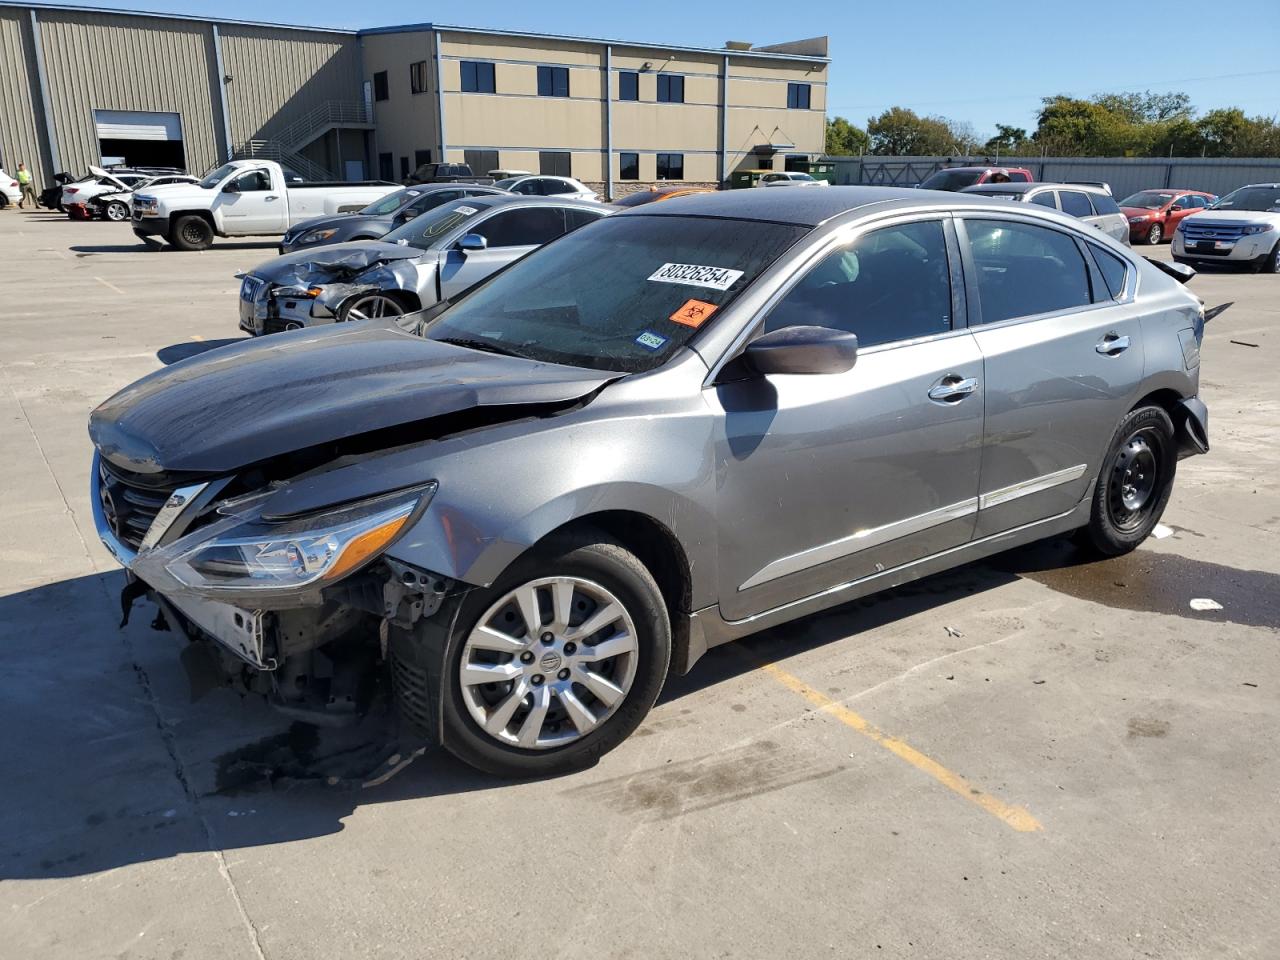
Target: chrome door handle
<point x="273" y="197"/>
<point x="1112" y="345"/>
<point x="952" y="389"/>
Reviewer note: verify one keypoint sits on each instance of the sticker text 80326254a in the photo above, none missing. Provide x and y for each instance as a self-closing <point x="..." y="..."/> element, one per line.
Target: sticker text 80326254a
<point x="696" y="275"/>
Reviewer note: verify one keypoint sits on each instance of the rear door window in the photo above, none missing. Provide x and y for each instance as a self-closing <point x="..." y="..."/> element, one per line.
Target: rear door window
<point x="890" y="284"/>
<point x="1025" y="269"/>
<point x="1045" y="200"/>
<point x="552" y="187"/>
<point x="1075" y="203"/>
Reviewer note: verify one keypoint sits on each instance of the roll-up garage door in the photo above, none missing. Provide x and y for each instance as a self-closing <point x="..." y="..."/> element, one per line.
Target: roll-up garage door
<point x="137" y="125"/>
<point x="140" y="138"/>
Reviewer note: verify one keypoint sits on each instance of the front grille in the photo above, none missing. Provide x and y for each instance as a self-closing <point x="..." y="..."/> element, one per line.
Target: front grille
<point x="1193" y="231"/>
<point x="250" y="288"/>
<point x="130" y="501"/>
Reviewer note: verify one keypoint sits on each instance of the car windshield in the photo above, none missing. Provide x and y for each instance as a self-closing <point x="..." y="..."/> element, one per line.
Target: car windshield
<point x="1147" y="199"/>
<point x="506" y="183"/>
<point x="951" y="179"/>
<point x="213" y="179"/>
<point x="390" y="203"/>
<point x="621" y="294"/>
<point x="1262" y="199"/>
<point x="429" y="230"/>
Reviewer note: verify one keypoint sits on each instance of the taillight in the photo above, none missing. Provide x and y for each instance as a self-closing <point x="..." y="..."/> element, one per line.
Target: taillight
<point x="73" y="189"/>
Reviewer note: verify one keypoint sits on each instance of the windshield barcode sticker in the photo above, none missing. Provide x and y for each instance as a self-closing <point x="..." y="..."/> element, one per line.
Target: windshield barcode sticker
<point x="716" y="278"/>
<point x="467" y="210"/>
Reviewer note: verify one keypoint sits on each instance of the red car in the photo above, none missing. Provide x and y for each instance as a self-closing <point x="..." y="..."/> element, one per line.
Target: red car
<point x="1153" y="214"/>
<point x="957" y="178"/>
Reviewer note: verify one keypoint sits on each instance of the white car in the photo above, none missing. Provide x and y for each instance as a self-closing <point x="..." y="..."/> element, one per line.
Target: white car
<point x="1242" y="228"/>
<point x="791" y="178"/>
<point x="97" y="183"/>
<point x="10" y="192"/>
<point x="542" y="185"/>
<point x="115" y="206"/>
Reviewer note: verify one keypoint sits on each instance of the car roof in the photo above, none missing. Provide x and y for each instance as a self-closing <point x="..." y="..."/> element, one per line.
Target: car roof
<point x="501" y="198"/>
<point x="805" y="208"/>
<point x="1028" y="187"/>
<point x="970" y="169"/>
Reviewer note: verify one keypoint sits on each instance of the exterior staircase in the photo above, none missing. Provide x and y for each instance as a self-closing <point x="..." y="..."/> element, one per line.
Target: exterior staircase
<point x="285" y="144"/>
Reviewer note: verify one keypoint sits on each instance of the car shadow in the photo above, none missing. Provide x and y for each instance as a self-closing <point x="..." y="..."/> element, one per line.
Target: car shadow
<point x="91" y="249"/>
<point x="193" y="348"/>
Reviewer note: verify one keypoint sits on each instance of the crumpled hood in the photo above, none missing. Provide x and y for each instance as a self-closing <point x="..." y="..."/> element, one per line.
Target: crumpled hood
<point x="245" y="403"/>
<point x="338" y="261"/>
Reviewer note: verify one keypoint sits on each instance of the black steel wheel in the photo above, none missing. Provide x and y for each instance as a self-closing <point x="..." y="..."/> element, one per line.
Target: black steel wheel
<point x="1134" y="483"/>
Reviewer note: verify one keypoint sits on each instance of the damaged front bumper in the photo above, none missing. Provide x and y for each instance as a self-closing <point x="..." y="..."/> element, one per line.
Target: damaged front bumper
<point x="310" y="650"/>
<point x="266" y="307"/>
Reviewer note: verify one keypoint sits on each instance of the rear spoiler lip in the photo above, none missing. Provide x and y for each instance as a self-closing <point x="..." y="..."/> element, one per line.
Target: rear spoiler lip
<point x="1179" y="271"/>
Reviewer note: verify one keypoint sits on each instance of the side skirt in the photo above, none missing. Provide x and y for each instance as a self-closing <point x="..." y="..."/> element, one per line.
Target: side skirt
<point x="707" y="628"/>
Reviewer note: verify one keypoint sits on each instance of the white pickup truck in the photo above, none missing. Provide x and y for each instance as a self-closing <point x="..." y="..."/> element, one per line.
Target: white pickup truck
<point x="243" y="198"/>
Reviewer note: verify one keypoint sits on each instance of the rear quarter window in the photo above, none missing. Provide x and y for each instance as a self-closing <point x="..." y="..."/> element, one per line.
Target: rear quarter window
<point x="1114" y="271"/>
<point x="1104" y="203"/>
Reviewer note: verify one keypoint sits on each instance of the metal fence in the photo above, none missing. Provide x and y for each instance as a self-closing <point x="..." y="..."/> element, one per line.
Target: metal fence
<point x="1126" y="175"/>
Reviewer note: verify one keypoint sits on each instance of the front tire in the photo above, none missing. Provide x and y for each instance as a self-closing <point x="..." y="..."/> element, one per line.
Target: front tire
<point x="191" y="233"/>
<point x="1269" y="263"/>
<point x="371" y="306"/>
<point x="555" y="664"/>
<point x="1155" y="234"/>
<point x="1134" y="484"/>
<point x="116" y="211"/>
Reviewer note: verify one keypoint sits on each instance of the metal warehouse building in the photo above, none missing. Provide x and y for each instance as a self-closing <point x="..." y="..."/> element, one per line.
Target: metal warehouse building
<point x="82" y="86"/>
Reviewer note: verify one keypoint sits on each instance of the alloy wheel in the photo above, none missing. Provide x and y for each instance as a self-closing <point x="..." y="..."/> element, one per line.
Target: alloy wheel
<point x="548" y="663"/>
<point x="374" y="307"/>
<point x="1155" y="234"/>
<point x="117" y="212"/>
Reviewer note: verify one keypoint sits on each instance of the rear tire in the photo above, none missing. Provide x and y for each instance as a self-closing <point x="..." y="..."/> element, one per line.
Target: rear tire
<point x="191" y="233"/>
<point x="538" y="695"/>
<point x="1134" y="484"/>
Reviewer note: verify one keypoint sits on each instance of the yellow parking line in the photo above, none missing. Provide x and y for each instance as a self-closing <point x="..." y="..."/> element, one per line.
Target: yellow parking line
<point x="1016" y="817"/>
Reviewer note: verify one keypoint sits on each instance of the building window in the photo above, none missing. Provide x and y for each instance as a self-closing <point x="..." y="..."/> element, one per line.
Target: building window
<point x="628" y="166"/>
<point x="477" y="77"/>
<point x="420" y="157"/>
<point x="796" y="163"/>
<point x="418" y="77"/>
<point x="553" y="81"/>
<point x="380" y="86"/>
<point x="404" y="168"/>
<point x="798" y="96"/>
<point x="628" y="85"/>
<point x="385" y="169"/>
<point x="555" y="163"/>
<point x="671" y="166"/>
<point x="481" y="161"/>
<point x="670" y="88"/>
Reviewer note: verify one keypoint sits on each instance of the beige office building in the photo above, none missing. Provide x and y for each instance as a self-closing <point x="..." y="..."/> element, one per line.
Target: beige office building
<point x="81" y="86"/>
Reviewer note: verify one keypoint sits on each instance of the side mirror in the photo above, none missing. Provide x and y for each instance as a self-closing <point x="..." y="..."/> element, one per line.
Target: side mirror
<point x="1175" y="208"/>
<point x="231" y="188"/>
<point x="472" y="242"/>
<point x="803" y="350"/>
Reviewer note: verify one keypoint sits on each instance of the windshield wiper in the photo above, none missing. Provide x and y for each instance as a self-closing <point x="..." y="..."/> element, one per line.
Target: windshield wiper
<point x="482" y="345"/>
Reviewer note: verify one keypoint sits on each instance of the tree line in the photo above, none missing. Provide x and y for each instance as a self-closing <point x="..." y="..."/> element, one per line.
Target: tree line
<point x="1106" y="125"/>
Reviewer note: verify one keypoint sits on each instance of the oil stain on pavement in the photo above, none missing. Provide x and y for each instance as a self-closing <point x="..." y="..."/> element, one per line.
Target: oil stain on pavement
<point x="1148" y="582"/>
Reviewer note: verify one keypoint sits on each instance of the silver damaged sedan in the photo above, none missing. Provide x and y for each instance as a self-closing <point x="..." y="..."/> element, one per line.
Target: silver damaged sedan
<point x="656" y="434"/>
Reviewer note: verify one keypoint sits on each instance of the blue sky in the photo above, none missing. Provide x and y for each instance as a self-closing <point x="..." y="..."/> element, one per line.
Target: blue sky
<point x="965" y="60"/>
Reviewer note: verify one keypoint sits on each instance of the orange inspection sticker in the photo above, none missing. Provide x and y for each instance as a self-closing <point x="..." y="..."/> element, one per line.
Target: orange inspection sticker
<point x="693" y="313"/>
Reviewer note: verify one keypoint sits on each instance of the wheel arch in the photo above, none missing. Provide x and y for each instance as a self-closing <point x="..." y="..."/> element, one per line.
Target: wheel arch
<point x="205" y="215"/>
<point x="662" y="554"/>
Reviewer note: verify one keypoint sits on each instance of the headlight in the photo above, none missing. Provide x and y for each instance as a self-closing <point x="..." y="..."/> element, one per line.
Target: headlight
<point x="247" y="554"/>
<point x="1139" y="219"/>
<point x="300" y="292"/>
<point x="315" y="236"/>
<point x="1258" y="228"/>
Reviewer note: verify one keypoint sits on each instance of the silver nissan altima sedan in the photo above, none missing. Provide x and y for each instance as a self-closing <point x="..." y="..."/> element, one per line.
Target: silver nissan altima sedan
<point x="661" y="432"/>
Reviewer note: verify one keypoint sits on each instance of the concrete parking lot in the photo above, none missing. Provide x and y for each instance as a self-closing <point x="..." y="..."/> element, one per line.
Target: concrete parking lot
<point x="1032" y="757"/>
